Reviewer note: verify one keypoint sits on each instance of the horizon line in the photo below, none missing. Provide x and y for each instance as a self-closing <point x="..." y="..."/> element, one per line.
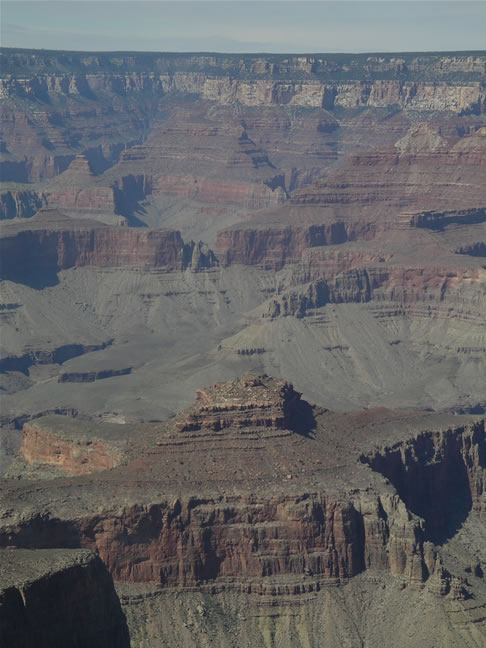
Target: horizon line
<point x="256" y="53"/>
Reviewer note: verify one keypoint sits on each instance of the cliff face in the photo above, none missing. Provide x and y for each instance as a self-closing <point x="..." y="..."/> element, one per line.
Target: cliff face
<point x="426" y="181"/>
<point x="363" y="281"/>
<point x="191" y="135"/>
<point x="441" y="65"/>
<point x="73" y="457"/>
<point x="253" y="493"/>
<point x="424" y="82"/>
<point x="434" y="291"/>
<point x="41" y="140"/>
<point x="244" y="542"/>
<point x="112" y="104"/>
<point x="20" y="204"/>
<point x="273" y="247"/>
<point x="421" y="171"/>
<point x="213" y="529"/>
<point x="449" y="467"/>
<point x="59" y="247"/>
<point x="47" y="596"/>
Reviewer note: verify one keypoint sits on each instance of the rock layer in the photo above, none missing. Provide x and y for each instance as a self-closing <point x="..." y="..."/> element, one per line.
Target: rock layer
<point x="46" y="596"/>
<point x="308" y="525"/>
<point x="41" y="445"/>
<point x="54" y="243"/>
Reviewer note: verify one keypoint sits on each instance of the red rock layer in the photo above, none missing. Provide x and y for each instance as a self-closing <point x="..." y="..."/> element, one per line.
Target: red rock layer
<point x="73" y="457"/>
<point x="195" y="154"/>
<point x="294" y="503"/>
<point x="423" y="171"/>
<point x="274" y="246"/>
<point x="55" y="249"/>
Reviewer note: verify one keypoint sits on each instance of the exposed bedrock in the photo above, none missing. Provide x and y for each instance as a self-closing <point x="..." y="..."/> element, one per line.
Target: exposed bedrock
<point x="200" y="153"/>
<point x="56" y="107"/>
<point x="20" y="204"/>
<point x="423" y="171"/>
<point x="27" y="153"/>
<point x="426" y="181"/>
<point x="47" y="596"/>
<point x="273" y="247"/>
<point x="51" y="250"/>
<point x="251" y="402"/>
<point x="41" y="137"/>
<point x="78" y="191"/>
<point x="439" y="220"/>
<point x="441" y="476"/>
<point x="45" y="445"/>
<point x="421" y="95"/>
<point x="191" y="515"/>
<point x="440" y="65"/>
<point x="132" y="188"/>
<point x="187" y="542"/>
<point x="430" y="289"/>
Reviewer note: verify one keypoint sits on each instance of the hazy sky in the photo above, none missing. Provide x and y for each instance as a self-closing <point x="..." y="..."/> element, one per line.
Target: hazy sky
<point x="245" y="25"/>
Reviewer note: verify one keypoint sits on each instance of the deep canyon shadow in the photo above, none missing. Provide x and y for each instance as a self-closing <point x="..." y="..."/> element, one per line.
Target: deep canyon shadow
<point x="432" y="480"/>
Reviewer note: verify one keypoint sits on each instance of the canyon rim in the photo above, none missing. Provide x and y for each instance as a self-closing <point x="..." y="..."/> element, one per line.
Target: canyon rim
<point x="243" y="350"/>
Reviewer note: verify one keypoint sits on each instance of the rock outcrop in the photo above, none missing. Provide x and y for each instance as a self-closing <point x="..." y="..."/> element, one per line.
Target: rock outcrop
<point x="424" y="170"/>
<point x="274" y="246"/>
<point x="49" y="444"/>
<point x="448" y="466"/>
<point x="253" y="402"/>
<point x="254" y="493"/>
<point x="56" y="243"/>
<point x="47" y="596"/>
<point x="235" y="145"/>
<point x="329" y="517"/>
<point x="20" y="204"/>
<point x="433" y="289"/>
<point x="419" y="81"/>
<point x="427" y="182"/>
<point x="362" y="282"/>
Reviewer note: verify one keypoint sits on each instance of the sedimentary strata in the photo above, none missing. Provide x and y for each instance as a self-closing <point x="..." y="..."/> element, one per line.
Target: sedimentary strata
<point x="46" y="596"/>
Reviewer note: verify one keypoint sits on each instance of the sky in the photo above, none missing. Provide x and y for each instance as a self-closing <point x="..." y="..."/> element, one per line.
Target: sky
<point x="290" y="26"/>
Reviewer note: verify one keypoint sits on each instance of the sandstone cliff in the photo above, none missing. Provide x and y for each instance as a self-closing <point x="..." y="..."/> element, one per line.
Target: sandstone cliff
<point x="56" y="243"/>
<point x="214" y="526"/>
<point x="313" y="500"/>
<point x="422" y="81"/>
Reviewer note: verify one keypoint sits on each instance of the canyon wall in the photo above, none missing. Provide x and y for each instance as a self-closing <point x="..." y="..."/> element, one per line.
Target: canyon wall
<point x="332" y="517"/>
<point x="252" y="492"/>
<point x="241" y="542"/>
<point x="72" y="456"/>
<point x="335" y="80"/>
<point x="58" y="105"/>
<point x="431" y="290"/>
<point x="51" y="250"/>
<point x="273" y="247"/>
<point x="47" y="596"/>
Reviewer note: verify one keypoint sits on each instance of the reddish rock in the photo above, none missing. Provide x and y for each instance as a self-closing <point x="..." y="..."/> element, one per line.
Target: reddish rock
<point x="74" y="456"/>
<point x="237" y="491"/>
<point x="56" y="243"/>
